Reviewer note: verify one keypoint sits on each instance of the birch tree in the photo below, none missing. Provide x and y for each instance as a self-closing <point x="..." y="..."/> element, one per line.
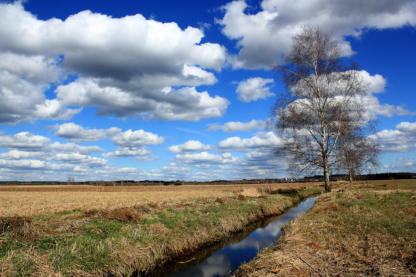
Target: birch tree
<point x="356" y="151"/>
<point x="321" y="89"/>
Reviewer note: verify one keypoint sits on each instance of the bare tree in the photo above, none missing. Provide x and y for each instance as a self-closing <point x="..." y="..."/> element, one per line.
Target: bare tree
<point x="355" y="151"/>
<point x="322" y="88"/>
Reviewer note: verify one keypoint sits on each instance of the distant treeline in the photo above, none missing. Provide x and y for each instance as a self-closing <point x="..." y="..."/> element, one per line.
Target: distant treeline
<point x="376" y="176"/>
<point x="316" y="178"/>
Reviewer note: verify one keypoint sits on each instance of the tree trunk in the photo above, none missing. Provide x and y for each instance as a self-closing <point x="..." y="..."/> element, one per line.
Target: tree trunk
<point x="326" y="177"/>
<point x="350" y="177"/>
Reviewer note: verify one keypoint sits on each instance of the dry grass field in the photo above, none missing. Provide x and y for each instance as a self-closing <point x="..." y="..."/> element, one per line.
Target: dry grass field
<point x="368" y="229"/>
<point x="35" y="200"/>
<point x="116" y="231"/>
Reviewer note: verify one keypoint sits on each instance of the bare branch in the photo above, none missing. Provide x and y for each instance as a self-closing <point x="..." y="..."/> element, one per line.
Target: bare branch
<point x="320" y="107"/>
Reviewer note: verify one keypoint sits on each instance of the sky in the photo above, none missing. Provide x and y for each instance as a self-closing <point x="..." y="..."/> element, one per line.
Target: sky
<point x="183" y="90"/>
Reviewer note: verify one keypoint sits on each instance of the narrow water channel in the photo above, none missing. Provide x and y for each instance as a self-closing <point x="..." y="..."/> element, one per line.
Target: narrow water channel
<point x="224" y="259"/>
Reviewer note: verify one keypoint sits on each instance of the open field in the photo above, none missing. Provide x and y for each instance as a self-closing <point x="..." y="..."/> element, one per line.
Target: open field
<point x="95" y="231"/>
<point x="366" y="229"/>
<point x="34" y="200"/>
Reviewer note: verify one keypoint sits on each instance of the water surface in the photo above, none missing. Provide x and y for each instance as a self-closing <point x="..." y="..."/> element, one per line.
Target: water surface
<point x="225" y="258"/>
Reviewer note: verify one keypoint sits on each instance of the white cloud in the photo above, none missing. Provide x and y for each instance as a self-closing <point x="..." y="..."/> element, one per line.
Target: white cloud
<point x="265" y="37"/>
<point x="77" y="158"/>
<point x="127" y="66"/>
<point x="401" y="164"/>
<point x="260" y="140"/>
<point x="28" y="152"/>
<point x="170" y="173"/>
<point x="128" y="152"/>
<point x="165" y="103"/>
<point x="23" y="164"/>
<point x="402" y="139"/>
<point x="77" y="133"/>
<point x="130" y="143"/>
<point x="22" y="82"/>
<point x="408" y="127"/>
<point x="189" y="146"/>
<point x="375" y="84"/>
<point x="24" y="141"/>
<point x="37" y="68"/>
<point x="371" y="85"/>
<point x="72" y="147"/>
<point x="205" y="157"/>
<point x="15" y="154"/>
<point x="236" y="126"/>
<point x="96" y="43"/>
<point x="253" y="89"/>
<point x="46" y="151"/>
<point x="136" y="138"/>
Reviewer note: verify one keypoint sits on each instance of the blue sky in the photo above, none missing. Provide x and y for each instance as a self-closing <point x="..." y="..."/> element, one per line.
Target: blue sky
<point x="182" y="89"/>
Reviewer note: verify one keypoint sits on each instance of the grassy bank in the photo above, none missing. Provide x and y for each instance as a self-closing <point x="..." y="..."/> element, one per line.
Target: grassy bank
<point x="125" y="239"/>
<point x="367" y="229"/>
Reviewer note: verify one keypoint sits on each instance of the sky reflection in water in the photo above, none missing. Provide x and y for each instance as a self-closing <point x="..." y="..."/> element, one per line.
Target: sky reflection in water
<point x="224" y="261"/>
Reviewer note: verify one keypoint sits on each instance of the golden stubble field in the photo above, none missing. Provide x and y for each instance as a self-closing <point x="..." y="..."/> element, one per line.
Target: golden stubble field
<point x="35" y="200"/>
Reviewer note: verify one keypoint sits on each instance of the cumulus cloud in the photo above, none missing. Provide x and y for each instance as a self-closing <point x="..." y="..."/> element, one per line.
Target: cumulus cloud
<point x="236" y="126"/>
<point x="127" y="152"/>
<point x="41" y="159"/>
<point x="77" y="133"/>
<point x="93" y="42"/>
<point x="205" y="158"/>
<point x="402" y="139"/>
<point x="24" y="141"/>
<point x="375" y="84"/>
<point x="77" y="158"/>
<point x="189" y="146"/>
<point x="371" y="84"/>
<point x="16" y="154"/>
<point x="133" y="144"/>
<point x="136" y="138"/>
<point x="27" y="152"/>
<point x="45" y="151"/>
<point x="260" y="140"/>
<point x="128" y="66"/>
<point x="130" y="143"/>
<point x="265" y="37"/>
<point x="23" y="164"/>
<point x="253" y="89"/>
<point x="23" y="80"/>
<point x="165" y="103"/>
<point x="263" y="162"/>
<point x="72" y="147"/>
<point x="400" y="165"/>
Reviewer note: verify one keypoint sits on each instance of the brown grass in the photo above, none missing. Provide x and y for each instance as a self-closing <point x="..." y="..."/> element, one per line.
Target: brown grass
<point x="137" y="229"/>
<point x="353" y="231"/>
<point x="35" y="200"/>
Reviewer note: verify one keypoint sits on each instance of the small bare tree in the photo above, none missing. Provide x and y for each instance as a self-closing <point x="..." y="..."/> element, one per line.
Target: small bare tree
<point x="321" y="91"/>
<point x="355" y="151"/>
